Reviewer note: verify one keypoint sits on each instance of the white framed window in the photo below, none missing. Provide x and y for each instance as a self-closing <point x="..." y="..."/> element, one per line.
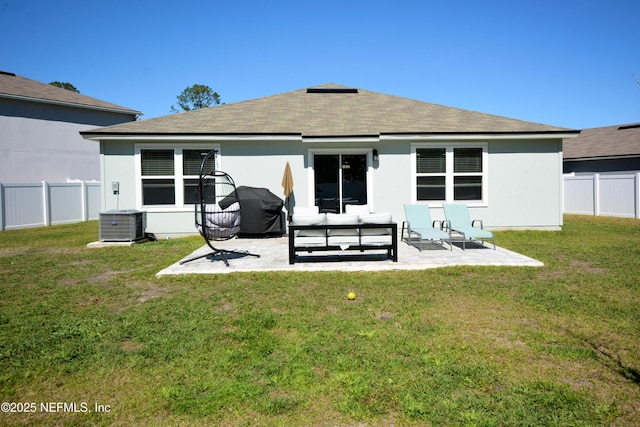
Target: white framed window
<point x="449" y="173"/>
<point x="167" y="176"/>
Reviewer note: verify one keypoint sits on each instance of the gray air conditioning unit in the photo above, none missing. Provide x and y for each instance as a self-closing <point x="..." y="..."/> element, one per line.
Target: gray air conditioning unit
<point x="122" y="225"/>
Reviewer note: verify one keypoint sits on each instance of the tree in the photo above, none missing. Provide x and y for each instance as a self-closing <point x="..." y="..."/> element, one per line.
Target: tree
<point x="64" y="85"/>
<point x="195" y="97"/>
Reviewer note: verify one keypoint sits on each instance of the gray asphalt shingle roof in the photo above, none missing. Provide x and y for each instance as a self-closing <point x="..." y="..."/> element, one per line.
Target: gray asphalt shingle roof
<point x="620" y="140"/>
<point x="17" y="87"/>
<point x="327" y="110"/>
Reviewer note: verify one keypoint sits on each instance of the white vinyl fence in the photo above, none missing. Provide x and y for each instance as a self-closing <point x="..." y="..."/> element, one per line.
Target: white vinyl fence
<point x="603" y="194"/>
<point x="45" y="203"/>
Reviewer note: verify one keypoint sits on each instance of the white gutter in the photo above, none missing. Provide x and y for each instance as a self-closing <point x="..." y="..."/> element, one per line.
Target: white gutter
<point x="337" y="138"/>
<point x="480" y="136"/>
<point x="187" y="137"/>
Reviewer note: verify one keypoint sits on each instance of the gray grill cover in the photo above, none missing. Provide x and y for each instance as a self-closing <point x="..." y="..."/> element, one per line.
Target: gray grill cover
<point x="261" y="212"/>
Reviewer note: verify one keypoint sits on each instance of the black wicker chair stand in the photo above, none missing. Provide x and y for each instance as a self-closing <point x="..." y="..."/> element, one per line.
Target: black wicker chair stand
<point x="217" y="209"/>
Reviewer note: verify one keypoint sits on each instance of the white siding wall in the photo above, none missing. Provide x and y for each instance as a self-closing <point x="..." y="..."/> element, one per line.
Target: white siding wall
<point x="36" y="150"/>
<point x="392" y="180"/>
<point x="524" y="180"/>
<point x="525" y="185"/>
<point x="117" y="164"/>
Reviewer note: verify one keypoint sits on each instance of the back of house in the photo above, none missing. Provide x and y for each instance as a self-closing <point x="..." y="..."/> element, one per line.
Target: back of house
<point x="344" y="145"/>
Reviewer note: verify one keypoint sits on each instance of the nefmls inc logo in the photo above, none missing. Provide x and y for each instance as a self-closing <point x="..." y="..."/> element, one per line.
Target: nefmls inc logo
<point x="73" y="407"/>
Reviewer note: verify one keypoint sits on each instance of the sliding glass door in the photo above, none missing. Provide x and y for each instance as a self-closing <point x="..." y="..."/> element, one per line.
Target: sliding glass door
<point x="340" y="179"/>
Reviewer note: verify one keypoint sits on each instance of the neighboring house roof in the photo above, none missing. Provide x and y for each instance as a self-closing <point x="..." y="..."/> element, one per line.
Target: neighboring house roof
<point x="21" y="88"/>
<point x="609" y="141"/>
<point x="326" y="111"/>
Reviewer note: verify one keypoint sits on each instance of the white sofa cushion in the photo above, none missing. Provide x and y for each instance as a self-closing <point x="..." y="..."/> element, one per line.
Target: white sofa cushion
<point x="376" y="240"/>
<point x="377" y="218"/>
<point x="309" y="241"/>
<point x="381" y="218"/>
<point x="316" y="219"/>
<point x="305" y="210"/>
<point x="309" y="219"/>
<point x="342" y="219"/>
<point x="344" y="241"/>
<point x="357" y="209"/>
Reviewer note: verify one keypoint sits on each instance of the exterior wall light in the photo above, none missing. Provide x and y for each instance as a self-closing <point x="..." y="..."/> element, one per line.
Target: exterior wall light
<point x="376" y="157"/>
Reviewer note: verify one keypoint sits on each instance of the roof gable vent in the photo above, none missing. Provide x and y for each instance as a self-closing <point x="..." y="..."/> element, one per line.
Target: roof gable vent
<point x="332" y="90"/>
<point x="631" y="126"/>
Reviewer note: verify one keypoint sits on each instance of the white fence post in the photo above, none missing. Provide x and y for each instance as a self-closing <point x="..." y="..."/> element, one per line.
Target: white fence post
<point x="596" y="194"/>
<point x="46" y="215"/>
<point x="637" y="195"/>
<point x="84" y="198"/>
<point x="2" y="224"/>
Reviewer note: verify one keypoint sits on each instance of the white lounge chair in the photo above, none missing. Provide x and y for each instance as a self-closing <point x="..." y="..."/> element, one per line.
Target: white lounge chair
<point x="418" y="222"/>
<point x="459" y="221"/>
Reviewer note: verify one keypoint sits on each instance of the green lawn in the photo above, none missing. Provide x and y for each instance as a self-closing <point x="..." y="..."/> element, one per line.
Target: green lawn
<point x="471" y="346"/>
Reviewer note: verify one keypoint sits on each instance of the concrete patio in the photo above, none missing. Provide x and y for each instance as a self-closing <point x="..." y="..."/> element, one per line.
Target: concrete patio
<point x="274" y="256"/>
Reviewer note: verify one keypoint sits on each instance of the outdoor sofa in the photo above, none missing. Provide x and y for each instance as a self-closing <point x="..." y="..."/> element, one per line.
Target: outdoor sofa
<point x="356" y="229"/>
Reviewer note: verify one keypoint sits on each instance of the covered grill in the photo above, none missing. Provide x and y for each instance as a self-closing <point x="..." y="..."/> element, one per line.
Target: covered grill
<point x="262" y="214"/>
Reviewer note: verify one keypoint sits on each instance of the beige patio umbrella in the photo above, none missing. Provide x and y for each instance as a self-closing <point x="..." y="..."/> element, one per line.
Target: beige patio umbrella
<point x="287" y="185"/>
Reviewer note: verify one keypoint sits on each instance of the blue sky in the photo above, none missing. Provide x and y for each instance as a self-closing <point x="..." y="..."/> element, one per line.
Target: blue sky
<point x="563" y="62"/>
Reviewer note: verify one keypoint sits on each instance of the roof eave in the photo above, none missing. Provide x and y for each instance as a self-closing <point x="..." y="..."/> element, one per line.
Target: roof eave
<point x="72" y="104"/>
<point x="170" y="136"/>
<point x="559" y="134"/>
<point x="385" y="136"/>
<point x="608" y="157"/>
